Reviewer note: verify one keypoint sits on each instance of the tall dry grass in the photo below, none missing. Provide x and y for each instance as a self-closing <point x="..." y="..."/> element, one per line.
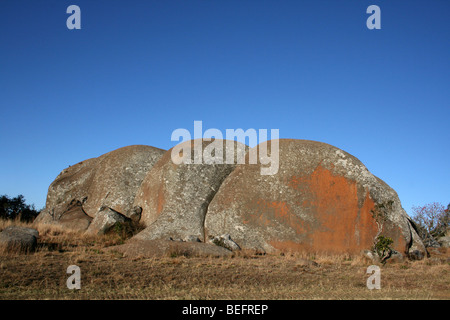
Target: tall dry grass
<point x="54" y="237"/>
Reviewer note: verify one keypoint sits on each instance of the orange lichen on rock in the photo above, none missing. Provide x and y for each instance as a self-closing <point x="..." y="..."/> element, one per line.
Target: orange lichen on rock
<point x="340" y="224"/>
<point x="271" y="213"/>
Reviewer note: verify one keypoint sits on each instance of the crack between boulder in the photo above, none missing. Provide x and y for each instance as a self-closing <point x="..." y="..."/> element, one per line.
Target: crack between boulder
<point x="209" y="199"/>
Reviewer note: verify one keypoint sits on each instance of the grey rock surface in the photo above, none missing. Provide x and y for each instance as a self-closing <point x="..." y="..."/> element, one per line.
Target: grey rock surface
<point x="175" y="197"/>
<point x="105" y="220"/>
<point x="16" y="238"/>
<point x="225" y="241"/>
<point x="110" y="180"/>
<point x="444" y="242"/>
<point x="74" y="217"/>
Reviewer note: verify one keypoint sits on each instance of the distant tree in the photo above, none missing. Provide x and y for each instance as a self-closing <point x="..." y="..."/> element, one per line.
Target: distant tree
<point x="432" y="221"/>
<point x="16" y="208"/>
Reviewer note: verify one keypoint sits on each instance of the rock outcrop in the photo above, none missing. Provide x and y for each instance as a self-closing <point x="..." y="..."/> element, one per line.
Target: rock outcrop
<point x="110" y="180"/>
<point x="321" y="199"/>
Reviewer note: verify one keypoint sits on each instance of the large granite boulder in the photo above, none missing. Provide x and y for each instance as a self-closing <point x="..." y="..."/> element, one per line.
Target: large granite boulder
<point x="174" y="197"/>
<point x="110" y="180"/>
<point x="322" y="199"/>
<point x="70" y="187"/>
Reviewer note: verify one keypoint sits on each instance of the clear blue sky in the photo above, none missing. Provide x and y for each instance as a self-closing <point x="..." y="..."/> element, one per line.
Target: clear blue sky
<point x="137" y="70"/>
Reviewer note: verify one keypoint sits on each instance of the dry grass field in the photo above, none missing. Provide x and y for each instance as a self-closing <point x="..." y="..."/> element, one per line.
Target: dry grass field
<point x="109" y="275"/>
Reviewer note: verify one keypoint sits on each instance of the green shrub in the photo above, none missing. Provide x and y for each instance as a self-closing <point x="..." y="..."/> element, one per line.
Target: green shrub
<point x="382" y="247"/>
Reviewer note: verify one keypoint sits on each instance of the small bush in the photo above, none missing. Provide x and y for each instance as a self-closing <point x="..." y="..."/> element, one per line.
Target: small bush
<point x="126" y="230"/>
<point x="382" y="247"/>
